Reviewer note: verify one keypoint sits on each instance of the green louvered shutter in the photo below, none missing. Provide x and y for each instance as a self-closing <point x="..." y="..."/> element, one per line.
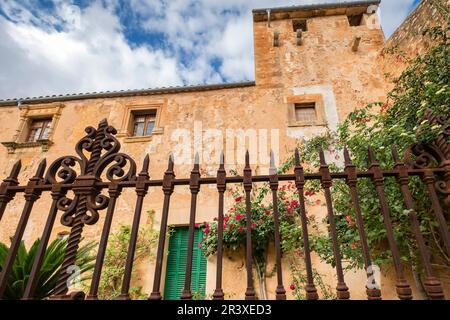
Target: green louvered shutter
<point x="176" y="264"/>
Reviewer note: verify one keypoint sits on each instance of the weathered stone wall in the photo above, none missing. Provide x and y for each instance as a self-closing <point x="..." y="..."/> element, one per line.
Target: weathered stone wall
<point x="408" y="40"/>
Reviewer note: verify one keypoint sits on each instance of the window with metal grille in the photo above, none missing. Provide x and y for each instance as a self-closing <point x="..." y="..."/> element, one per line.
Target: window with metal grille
<point x="39" y="130"/>
<point x="143" y="123"/>
<point x="305" y="112"/>
<point x="176" y="264"/>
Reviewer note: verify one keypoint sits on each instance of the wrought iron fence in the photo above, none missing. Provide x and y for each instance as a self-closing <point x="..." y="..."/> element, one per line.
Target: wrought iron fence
<point x="431" y="162"/>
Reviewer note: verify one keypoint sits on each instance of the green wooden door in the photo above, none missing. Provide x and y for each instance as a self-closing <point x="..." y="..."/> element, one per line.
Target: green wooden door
<point x="176" y="265"/>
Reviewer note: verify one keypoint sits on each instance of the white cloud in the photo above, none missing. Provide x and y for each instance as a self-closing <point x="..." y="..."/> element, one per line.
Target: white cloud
<point x="84" y="50"/>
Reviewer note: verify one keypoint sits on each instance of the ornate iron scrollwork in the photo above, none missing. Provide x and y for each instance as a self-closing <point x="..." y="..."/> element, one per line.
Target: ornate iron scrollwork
<point x="434" y="154"/>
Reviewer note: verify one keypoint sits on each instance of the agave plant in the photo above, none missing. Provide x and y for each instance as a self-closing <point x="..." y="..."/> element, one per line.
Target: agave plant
<point x="50" y="269"/>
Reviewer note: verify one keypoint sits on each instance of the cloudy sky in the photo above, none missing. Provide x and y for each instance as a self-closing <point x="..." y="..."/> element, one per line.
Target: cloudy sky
<point x="69" y="46"/>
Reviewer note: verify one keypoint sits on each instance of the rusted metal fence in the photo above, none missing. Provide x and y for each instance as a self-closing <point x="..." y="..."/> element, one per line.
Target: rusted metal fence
<point x="431" y="162"/>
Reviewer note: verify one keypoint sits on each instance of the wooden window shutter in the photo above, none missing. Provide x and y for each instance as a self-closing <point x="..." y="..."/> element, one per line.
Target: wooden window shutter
<point x="176" y="265"/>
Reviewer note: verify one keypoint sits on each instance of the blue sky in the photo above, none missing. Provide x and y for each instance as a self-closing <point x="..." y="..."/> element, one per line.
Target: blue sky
<point x="69" y="46"/>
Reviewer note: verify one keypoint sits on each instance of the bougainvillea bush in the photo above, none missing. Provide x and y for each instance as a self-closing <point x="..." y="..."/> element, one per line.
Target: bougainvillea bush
<point x="234" y="231"/>
<point x="234" y="226"/>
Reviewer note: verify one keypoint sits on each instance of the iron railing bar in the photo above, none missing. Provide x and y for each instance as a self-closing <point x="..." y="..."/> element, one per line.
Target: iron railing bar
<point x="236" y="179"/>
<point x="326" y="183"/>
<point x="195" y="189"/>
<point x="141" y="192"/>
<point x="404" y="291"/>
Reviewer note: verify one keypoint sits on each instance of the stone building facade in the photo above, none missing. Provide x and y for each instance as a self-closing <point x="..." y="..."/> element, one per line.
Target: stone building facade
<point x="314" y="64"/>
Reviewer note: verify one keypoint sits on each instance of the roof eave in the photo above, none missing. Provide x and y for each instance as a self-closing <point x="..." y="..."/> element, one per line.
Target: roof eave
<point x="128" y="93"/>
<point x="312" y="7"/>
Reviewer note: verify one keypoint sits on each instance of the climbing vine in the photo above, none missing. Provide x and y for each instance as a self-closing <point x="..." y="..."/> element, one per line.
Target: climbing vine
<point x="116" y="255"/>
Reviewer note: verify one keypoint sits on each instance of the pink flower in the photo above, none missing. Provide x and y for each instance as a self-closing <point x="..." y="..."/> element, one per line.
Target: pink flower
<point x="292" y="286"/>
<point x="238" y="199"/>
<point x="318" y="201"/>
<point x="203" y="239"/>
<point x="253" y="225"/>
<point x="196" y="225"/>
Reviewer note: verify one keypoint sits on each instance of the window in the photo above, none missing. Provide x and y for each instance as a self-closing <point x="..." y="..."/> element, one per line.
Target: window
<point x="305" y="112"/>
<point x="144" y="124"/>
<point x="355" y="20"/>
<point x="141" y="122"/>
<point x="176" y="264"/>
<point x="39" y="130"/>
<point x="299" y="25"/>
<point x="36" y="127"/>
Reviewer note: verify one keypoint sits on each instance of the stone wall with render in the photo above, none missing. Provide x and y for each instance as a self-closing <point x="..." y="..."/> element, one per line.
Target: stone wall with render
<point x="323" y="68"/>
<point x="408" y="40"/>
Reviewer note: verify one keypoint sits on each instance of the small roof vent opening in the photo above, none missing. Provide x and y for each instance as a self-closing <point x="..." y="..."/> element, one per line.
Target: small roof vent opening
<point x="300" y="25"/>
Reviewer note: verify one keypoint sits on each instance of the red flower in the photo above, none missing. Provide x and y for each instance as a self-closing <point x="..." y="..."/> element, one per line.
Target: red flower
<point x="349" y="220"/>
<point x="196" y="225"/>
<point x="313" y="193"/>
<point x="238" y="199"/>
<point x="215" y="219"/>
<point x="294" y="203"/>
<point x="292" y="286"/>
<point x="203" y="239"/>
<point x="307" y="193"/>
<point x="267" y="212"/>
<point x="241" y="229"/>
<point x="253" y="225"/>
<point x="238" y="216"/>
